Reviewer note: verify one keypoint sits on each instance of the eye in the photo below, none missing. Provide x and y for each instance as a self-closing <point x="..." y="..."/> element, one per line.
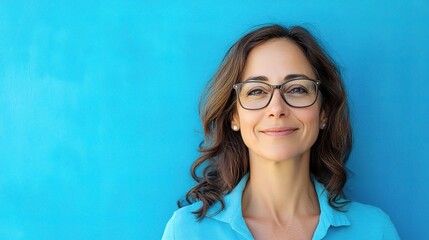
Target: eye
<point x="256" y="92"/>
<point x="297" y="90"/>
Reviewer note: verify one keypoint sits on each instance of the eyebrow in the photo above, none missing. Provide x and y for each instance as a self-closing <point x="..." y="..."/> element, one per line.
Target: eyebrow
<point x="288" y="77"/>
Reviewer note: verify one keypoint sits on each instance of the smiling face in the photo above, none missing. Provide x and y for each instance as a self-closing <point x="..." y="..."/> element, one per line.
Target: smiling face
<point x="278" y="132"/>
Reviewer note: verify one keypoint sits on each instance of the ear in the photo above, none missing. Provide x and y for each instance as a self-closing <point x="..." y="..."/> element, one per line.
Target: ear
<point x="323" y="114"/>
<point x="235" y="119"/>
<point x="323" y="119"/>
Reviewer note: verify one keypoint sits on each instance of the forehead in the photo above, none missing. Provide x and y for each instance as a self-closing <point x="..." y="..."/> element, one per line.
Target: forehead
<point x="275" y="59"/>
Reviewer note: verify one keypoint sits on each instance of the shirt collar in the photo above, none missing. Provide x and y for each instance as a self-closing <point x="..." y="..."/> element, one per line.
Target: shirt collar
<point x="328" y="215"/>
<point x="232" y="213"/>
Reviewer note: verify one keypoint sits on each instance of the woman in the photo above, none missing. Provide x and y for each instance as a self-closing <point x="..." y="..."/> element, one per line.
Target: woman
<point x="277" y="136"/>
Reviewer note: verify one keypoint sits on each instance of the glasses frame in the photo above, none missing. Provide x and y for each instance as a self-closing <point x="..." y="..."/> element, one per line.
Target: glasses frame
<point x="237" y="88"/>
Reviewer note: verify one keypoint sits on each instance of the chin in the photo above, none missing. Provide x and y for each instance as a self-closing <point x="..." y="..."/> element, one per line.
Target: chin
<point x="282" y="152"/>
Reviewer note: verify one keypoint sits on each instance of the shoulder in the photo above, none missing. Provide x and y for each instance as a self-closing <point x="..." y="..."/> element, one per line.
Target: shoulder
<point x="185" y="225"/>
<point x="181" y="218"/>
<point x="359" y="212"/>
<point x="372" y="220"/>
<point x="185" y="215"/>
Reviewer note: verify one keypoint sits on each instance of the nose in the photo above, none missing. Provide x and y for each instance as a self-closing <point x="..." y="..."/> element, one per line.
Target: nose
<point x="277" y="107"/>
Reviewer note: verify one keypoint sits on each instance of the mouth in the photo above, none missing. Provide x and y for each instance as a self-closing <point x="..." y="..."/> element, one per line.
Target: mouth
<point x="279" y="131"/>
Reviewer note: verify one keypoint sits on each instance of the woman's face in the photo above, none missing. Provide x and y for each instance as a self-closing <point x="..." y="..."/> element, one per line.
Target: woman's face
<point x="278" y="132"/>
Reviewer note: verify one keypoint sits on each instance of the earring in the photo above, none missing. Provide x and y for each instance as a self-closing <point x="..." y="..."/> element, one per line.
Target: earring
<point x="323" y="126"/>
<point x="235" y="127"/>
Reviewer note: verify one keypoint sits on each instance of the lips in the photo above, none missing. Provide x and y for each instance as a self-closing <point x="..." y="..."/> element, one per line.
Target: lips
<point x="279" y="131"/>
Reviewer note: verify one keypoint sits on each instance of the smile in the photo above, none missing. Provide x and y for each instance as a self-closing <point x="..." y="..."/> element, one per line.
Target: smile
<point x="279" y="131"/>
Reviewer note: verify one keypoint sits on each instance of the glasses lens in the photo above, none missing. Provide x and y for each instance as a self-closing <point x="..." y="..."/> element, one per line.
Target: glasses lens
<point x="254" y="95"/>
<point x="300" y="93"/>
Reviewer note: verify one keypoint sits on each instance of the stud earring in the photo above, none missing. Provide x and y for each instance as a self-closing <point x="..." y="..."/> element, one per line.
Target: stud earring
<point x="234" y="127"/>
<point x="323" y="126"/>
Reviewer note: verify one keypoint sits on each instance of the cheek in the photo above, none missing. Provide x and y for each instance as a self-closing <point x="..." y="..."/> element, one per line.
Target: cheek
<point x="315" y="127"/>
<point x="310" y="121"/>
<point x="311" y="116"/>
<point x="248" y="121"/>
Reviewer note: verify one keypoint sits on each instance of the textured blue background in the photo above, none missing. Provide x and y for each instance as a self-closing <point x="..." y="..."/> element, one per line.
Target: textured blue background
<point x="99" y="119"/>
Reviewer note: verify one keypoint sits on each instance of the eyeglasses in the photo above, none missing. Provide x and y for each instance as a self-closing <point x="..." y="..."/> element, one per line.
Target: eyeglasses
<point x="298" y="93"/>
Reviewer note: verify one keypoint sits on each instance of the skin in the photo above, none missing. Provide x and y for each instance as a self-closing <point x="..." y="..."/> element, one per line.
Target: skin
<point x="279" y="201"/>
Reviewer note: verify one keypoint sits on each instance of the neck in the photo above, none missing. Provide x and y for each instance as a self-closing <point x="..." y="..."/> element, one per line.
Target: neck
<point x="279" y="190"/>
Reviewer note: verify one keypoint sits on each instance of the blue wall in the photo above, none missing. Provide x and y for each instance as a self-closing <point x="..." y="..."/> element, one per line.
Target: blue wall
<point x="98" y="107"/>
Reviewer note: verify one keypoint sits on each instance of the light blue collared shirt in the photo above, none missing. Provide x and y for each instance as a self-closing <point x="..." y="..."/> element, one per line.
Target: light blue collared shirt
<point x="359" y="221"/>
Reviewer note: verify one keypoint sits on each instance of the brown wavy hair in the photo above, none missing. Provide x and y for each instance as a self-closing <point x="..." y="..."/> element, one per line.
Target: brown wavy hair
<point x="224" y="158"/>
